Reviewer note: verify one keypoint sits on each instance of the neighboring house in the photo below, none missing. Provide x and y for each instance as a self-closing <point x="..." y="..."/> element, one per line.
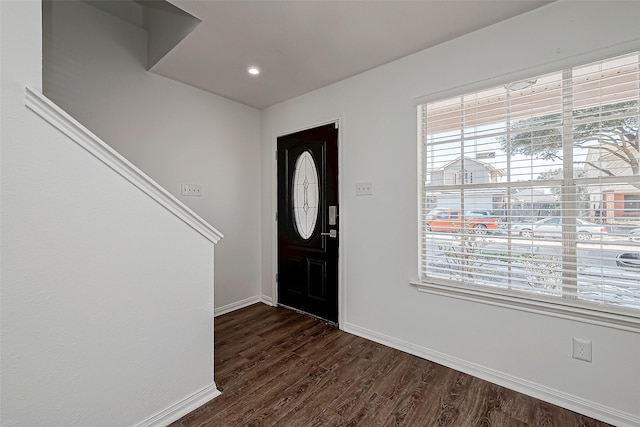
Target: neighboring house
<point x="531" y="204"/>
<point x="474" y="172"/>
<point x="611" y="201"/>
<point x="527" y="204"/>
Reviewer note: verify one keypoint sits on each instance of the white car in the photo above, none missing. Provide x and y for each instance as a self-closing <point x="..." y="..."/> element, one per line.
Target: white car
<point x="634" y="235"/>
<point x="552" y="227"/>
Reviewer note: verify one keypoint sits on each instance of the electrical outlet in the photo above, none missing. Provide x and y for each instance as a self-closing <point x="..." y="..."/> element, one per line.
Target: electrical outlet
<point x="190" y="190"/>
<point x="581" y="349"/>
<point x="364" y="189"/>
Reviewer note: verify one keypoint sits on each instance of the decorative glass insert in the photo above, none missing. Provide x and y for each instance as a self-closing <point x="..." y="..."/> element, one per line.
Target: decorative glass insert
<point x="305" y="195"/>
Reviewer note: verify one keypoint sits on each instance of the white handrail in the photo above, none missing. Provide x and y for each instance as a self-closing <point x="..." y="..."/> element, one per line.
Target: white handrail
<point x="62" y="121"/>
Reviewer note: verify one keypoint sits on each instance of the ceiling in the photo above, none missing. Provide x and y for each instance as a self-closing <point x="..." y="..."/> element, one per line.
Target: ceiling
<point x="301" y="46"/>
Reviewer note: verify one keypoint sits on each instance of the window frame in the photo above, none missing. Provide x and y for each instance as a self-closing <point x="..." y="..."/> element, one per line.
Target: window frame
<point x="529" y="302"/>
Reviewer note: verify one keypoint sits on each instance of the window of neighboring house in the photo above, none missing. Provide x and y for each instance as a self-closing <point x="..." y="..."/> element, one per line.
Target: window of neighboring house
<point x="556" y="163"/>
<point x="632" y="204"/>
<point x="468" y="177"/>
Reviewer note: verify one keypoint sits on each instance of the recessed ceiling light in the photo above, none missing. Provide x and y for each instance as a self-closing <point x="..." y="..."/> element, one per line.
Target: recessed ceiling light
<point x="254" y="71"/>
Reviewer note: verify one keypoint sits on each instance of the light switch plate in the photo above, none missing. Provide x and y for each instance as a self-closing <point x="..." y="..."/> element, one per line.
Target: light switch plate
<point x="364" y="189"/>
<point x="190" y="190"/>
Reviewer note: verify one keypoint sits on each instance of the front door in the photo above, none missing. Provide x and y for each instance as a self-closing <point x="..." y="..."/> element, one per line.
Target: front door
<point x="308" y="221"/>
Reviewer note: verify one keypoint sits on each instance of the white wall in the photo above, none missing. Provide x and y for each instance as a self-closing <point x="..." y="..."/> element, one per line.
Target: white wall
<point x="105" y="320"/>
<point x="94" y="69"/>
<point x="379" y="244"/>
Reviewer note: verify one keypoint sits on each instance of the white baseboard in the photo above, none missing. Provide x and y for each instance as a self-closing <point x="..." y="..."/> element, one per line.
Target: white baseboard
<point x="182" y="408"/>
<point x="236" y="305"/>
<point x="567" y="401"/>
<point x="242" y="304"/>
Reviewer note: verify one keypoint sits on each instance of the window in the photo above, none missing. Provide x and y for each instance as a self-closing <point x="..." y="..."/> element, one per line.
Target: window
<point x="305" y="195"/>
<point x="555" y="162"/>
<point x="468" y="177"/>
<point x="632" y="204"/>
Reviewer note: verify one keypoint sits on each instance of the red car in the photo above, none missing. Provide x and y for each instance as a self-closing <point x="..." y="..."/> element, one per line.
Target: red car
<point x="451" y="221"/>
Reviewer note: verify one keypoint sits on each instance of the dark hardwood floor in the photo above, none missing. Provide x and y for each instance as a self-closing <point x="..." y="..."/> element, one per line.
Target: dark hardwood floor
<point x="279" y="368"/>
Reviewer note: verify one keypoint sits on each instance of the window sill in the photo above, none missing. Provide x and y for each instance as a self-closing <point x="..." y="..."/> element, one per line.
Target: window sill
<point x="506" y="300"/>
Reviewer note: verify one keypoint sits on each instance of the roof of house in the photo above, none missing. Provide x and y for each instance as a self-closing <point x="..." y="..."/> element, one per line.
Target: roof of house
<point x="468" y="159"/>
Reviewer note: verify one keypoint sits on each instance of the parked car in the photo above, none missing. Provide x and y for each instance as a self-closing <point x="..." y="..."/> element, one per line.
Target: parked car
<point x="634" y="235"/>
<point x="434" y="212"/>
<point x="628" y="259"/>
<point x="451" y="221"/>
<point x="552" y="226"/>
<point x="486" y="214"/>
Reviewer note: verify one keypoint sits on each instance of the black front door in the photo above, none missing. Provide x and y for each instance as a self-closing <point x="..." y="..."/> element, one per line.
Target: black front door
<point x="307" y="221"/>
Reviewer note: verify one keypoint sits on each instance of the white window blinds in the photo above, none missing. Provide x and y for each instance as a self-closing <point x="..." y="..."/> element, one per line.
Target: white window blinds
<point x="533" y="188"/>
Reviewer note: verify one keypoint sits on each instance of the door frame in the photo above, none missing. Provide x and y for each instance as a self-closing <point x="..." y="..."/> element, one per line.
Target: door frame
<point x="341" y="213"/>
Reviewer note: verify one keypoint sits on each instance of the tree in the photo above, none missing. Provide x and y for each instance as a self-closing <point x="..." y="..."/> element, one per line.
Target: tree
<point x="610" y="128"/>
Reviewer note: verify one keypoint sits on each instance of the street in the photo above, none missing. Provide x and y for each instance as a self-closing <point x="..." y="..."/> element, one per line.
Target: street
<point x="599" y="251"/>
<point x="536" y="264"/>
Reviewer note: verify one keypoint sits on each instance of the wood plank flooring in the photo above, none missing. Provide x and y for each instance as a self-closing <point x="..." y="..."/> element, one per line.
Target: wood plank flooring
<point x="279" y="368"/>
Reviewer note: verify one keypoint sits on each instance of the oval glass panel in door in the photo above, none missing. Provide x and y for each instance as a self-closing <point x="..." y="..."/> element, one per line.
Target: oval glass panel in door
<point x="305" y="195"/>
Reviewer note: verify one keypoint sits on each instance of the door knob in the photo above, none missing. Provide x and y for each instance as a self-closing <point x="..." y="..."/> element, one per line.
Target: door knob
<point x="332" y="233"/>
